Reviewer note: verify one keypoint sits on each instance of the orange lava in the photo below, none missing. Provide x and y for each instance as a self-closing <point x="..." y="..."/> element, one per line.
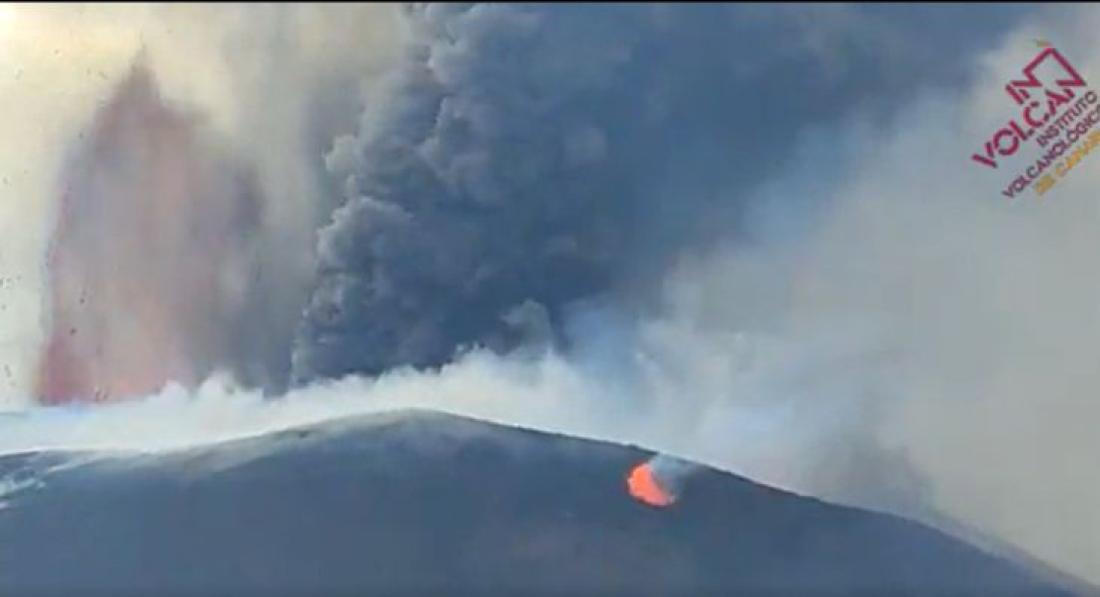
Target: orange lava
<point x="643" y="485"/>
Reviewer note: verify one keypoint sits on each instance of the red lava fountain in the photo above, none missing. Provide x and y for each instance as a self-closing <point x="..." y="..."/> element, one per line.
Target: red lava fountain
<point x="645" y="487"/>
<point x="149" y="248"/>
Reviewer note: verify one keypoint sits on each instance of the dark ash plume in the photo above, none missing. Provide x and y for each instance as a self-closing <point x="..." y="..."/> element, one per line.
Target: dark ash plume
<point x="538" y="154"/>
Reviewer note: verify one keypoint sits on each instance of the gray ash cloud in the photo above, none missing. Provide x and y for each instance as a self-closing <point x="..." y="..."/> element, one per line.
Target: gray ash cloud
<point x="539" y="154"/>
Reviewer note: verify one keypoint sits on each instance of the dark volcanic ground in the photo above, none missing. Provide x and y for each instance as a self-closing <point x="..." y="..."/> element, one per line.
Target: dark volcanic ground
<point x="420" y="503"/>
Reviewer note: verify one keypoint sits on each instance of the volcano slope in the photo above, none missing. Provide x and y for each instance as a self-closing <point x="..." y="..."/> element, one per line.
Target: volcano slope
<point x="421" y="503"/>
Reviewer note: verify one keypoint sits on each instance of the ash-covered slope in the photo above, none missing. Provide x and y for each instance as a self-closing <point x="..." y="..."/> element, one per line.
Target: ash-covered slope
<point x="431" y="504"/>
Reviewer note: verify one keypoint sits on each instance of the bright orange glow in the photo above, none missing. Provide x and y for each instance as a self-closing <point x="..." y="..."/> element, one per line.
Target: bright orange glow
<point x="643" y="485"/>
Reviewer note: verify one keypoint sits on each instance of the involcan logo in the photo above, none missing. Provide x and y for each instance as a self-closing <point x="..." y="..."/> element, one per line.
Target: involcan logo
<point x="1058" y="112"/>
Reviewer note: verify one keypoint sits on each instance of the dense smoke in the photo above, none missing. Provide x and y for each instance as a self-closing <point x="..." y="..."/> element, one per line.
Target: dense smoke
<point x="538" y="155"/>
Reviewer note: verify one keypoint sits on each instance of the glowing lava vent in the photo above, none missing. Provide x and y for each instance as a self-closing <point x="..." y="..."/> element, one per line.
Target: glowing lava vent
<point x="646" y="487"/>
